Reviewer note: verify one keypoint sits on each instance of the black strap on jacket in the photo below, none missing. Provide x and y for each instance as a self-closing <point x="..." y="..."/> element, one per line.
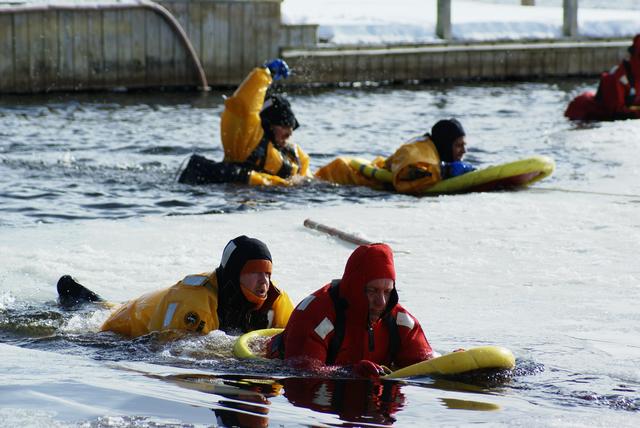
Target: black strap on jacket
<point x="629" y="73"/>
<point x="258" y="156"/>
<point x="394" y="336"/>
<point x="340" y="306"/>
<point x="289" y="154"/>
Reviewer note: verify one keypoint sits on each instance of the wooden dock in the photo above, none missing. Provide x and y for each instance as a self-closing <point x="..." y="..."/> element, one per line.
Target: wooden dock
<point x="200" y="43"/>
<point x="455" y="61"/>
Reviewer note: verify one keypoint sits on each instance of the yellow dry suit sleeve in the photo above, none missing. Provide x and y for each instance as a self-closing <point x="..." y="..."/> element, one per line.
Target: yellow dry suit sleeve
<point x="415" y="166"/>
<point x="304" y="163"/>
<point x="131" y="319"/>
<point x="189" y="305"/>
<point x="263" y="179"/>
<point x="282" y="309"/>
<point x="240" y="127"/>
<point x="339" y="171"/>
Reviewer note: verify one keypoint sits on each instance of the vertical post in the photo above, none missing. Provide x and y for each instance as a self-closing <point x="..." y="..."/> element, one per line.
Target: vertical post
<point x="443" y="25"/>
<point x="570" y="10"/>
<point x="528" y="2"/>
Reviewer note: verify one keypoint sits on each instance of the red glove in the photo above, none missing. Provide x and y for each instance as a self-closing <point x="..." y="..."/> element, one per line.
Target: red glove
<point x="368" y="369"/>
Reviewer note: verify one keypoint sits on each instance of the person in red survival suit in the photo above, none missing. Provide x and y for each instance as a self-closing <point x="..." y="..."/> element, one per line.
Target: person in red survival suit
<point x="618" y="94"/>
<point x="355" y="321"/>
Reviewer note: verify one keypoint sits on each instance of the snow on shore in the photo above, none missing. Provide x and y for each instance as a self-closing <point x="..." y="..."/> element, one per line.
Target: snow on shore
<point x="414" y="21"/>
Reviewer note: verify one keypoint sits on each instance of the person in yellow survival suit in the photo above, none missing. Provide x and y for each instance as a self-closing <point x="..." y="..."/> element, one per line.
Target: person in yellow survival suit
<point x="255" y="132"/>
<point x="416" y="165"/>
<point x="237" y="297"/>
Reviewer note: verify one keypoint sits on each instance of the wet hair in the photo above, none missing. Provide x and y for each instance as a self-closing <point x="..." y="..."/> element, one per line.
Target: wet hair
<point x="443" y="134"/>
<point x="277" y="111"/>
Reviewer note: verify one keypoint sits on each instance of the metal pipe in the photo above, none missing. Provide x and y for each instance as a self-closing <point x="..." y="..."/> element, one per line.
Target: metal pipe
<point x="347" y="237"/>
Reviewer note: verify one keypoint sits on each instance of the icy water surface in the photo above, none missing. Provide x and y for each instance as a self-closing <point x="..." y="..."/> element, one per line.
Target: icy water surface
<point x="88" y="187"/>
<point x="72" y="157"/>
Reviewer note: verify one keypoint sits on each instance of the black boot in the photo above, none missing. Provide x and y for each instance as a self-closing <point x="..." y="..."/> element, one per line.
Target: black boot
<point x="200" y="170"/>
<point x="70" y="293"/>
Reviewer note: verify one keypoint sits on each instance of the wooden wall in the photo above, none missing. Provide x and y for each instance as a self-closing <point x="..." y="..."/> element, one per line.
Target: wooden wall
<point x="497" y="61"/>
<point x="230" y="36"/>
<point x="131" y="44"/>
<point x="65" y="49"/>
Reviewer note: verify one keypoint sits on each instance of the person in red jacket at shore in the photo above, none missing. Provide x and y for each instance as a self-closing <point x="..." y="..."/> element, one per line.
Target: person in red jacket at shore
<point x="618" y="94"/>
<point x="355" y="321"/>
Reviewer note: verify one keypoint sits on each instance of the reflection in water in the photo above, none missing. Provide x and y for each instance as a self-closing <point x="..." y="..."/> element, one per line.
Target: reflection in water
<point x="353" y="400"/>
<point x="454" y="403"/>
<point x="245" y="401"/>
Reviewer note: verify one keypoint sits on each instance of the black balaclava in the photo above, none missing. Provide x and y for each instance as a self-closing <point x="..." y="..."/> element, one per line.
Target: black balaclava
<point x="234" y="311"/>
<point x="277" y="111"/>
<point x="443" y="134"/>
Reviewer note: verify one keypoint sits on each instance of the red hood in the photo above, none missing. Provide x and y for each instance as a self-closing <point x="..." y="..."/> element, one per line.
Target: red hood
<point x="366" y="263"/>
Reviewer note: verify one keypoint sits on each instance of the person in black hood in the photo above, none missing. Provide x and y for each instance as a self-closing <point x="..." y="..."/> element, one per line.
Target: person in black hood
<point x="237" y="297"/>
<point x="448" y="137"/>
<point x="245" y="292"/>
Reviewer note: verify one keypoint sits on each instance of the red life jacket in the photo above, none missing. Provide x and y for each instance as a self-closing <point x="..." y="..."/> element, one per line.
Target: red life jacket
<point x="613" y="89"/>
<point x="634" y="63"/>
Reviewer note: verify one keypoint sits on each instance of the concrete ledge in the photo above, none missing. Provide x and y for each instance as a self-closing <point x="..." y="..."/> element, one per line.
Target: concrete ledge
<point x="482" y="61"/>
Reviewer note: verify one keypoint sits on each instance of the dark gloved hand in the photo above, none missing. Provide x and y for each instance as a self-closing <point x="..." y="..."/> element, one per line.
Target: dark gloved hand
<point x="454" y="169"/>
<point x="369" y="369"/>
<point x="278" y="68"/>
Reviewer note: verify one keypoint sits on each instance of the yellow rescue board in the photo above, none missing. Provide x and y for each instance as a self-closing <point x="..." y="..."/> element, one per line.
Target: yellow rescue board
<point x="241" y="348"/>
<point x="483" y="357"/>
<point x="520" y="173"/>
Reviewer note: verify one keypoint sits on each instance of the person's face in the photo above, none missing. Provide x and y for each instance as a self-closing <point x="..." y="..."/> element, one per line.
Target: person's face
<point x="458" y="148"/>
<point x="281" y="134"/>
<point x="378" y="292"/>
<point x="256" y="282"/>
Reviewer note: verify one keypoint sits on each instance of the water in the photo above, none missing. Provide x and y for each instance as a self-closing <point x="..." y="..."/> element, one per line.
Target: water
<point x="92" y="156"/>
<point x="551" y="273"/>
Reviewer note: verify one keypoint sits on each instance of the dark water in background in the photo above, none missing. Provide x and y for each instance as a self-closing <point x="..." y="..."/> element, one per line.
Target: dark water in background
<point x="114" y="155"/>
